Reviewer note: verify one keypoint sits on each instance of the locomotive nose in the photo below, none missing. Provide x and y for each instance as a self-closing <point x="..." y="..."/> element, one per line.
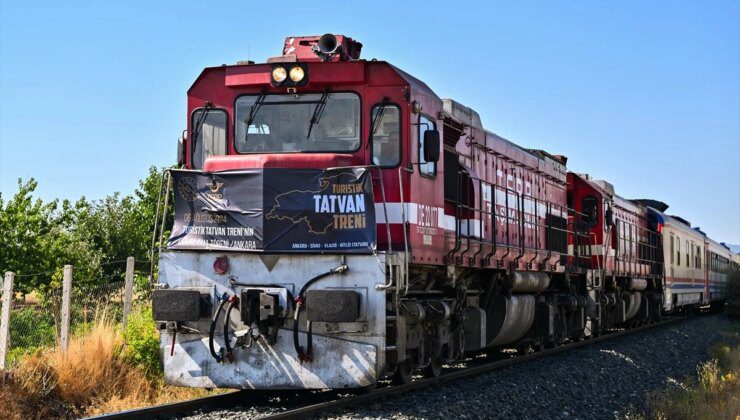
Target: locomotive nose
<point x="280" y="160"/>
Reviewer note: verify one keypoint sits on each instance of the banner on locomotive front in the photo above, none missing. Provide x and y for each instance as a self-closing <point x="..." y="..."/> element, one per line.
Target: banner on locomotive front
<point x="274" y="210"/>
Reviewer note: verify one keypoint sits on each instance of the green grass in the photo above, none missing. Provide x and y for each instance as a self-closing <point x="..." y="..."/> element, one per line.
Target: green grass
<point x="142" y="341"/>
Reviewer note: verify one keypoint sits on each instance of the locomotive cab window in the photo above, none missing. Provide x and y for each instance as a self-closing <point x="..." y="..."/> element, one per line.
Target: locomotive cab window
<point x="208" y="136"/>
<point x="305" y="122"/>
<point x="590" y="209"/>
<point x="425" y="168"/>
<point x="386" y="134"/>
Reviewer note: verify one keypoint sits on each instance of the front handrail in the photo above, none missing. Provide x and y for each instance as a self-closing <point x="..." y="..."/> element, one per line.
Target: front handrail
<point x="405" y="238"/>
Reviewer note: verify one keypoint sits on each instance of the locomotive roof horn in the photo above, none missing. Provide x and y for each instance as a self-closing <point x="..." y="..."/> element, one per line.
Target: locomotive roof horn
<point x="327" y="46"/>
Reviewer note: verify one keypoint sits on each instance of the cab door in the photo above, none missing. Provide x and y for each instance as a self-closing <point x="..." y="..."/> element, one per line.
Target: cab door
<point x="427" y="221"/>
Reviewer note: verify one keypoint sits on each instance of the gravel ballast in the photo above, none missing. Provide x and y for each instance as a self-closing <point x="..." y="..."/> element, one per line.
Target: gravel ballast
<point x="599" y="381"/>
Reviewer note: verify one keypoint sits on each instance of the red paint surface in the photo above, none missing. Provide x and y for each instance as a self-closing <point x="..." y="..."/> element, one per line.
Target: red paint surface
<point x="285" y="160"/>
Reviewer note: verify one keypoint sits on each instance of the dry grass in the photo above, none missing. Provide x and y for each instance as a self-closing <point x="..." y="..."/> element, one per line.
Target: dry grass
<point x="714" y="394"/>
<point x="93" y="377"/>
<point x="31" y="298"/>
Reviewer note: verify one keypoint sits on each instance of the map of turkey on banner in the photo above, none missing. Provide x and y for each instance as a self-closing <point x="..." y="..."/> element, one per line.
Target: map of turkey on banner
<point x="314" y="210"/>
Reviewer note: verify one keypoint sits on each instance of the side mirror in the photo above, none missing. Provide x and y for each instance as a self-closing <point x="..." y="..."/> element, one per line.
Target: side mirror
<point x="609" y="217"/>
<point x="431" y="146"/>
<point x="180" y="151"/>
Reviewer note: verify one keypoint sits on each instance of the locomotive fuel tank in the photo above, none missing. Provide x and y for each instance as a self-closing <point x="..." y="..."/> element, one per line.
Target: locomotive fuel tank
<point x="511" y="319"/>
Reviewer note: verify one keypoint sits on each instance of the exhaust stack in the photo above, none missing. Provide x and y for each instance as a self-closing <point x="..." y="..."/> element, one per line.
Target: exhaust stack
<point x="327" y="47"/>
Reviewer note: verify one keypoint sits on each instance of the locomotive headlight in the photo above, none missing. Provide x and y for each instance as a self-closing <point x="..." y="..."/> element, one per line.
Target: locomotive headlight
<point x="297" y="74"/>
<point x="279" y="74"/>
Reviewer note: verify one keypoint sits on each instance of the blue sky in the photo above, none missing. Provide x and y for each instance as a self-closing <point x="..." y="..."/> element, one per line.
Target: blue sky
<point x="643" y="94"/>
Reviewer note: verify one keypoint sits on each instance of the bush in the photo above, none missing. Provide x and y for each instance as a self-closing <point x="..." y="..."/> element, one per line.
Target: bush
<point x="713" y="394"/>
<point x="733" y="293"/>
<point x="86" y="376"/>
<point x="142" y="341"/>
<point x="31" y="328"/>
<point x="98" y="374"/>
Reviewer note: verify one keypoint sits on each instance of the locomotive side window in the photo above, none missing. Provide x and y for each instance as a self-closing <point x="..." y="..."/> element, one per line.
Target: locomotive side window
<point x="590" y="208"/>
<point x="426" y="168"/>
<point x="208" y="135"/>
<point x="672" y="247"/>
<point x="305" y="122"/>
<point x="386" y="134"/>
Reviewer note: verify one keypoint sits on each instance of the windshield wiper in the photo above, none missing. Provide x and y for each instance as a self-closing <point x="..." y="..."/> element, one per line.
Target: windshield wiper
<point x="207" y="106"/>
<point x="318" y="110"/>
<point x="375" y="124"/>
<point x="253" y="113"/>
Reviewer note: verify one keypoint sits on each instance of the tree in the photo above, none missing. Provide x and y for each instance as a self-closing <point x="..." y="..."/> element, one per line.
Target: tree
<point x="37" y="239"/>
<point x="35" y="243"/>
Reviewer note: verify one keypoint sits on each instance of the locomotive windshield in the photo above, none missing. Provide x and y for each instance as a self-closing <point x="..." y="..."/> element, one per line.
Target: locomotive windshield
<point x="312" y="122"/>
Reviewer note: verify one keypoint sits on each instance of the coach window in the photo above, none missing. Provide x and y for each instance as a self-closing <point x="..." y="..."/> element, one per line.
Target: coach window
<point x="698" y="257"/>
<point x="678" y="251"/>
<point x="208" y="135"/>
<point x="386" y="134"/>
<point x="426" y="168"/>
<point x="687" y="254"/>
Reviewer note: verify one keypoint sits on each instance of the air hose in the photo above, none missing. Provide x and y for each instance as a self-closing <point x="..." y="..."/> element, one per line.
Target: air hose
<point x="307" y="355"/>
<point x="224" y="299"/>
<point x="227" y="319"/>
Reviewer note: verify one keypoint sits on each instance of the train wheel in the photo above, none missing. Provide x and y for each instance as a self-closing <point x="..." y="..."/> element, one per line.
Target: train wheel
<point x="434" y="369"/>
<point x="403" y="372"/>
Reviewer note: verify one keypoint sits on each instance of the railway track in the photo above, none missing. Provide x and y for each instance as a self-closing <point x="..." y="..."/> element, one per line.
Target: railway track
<point x="303" y="404"/>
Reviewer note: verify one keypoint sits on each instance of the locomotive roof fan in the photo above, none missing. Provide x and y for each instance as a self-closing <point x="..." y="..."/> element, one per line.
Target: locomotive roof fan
<point x="327" y="47"/>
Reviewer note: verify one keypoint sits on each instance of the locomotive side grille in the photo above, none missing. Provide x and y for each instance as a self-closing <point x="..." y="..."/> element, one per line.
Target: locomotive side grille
<point x="557" y="237"/>
<point x="452" y="132"/>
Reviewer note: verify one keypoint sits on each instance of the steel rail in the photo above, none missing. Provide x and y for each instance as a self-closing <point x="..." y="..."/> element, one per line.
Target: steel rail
<point x="242" y="397"/>
<point x="394" y="390"/>
<point x="175" y="408"/>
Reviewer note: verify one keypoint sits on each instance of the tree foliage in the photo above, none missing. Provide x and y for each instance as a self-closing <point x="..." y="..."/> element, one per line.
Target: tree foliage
<point x="732" y="293"/>
<point x="38" y="238"/>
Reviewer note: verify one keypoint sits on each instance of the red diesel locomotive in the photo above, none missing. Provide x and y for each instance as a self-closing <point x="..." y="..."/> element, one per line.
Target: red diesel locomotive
<point x="336" y="222"/>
